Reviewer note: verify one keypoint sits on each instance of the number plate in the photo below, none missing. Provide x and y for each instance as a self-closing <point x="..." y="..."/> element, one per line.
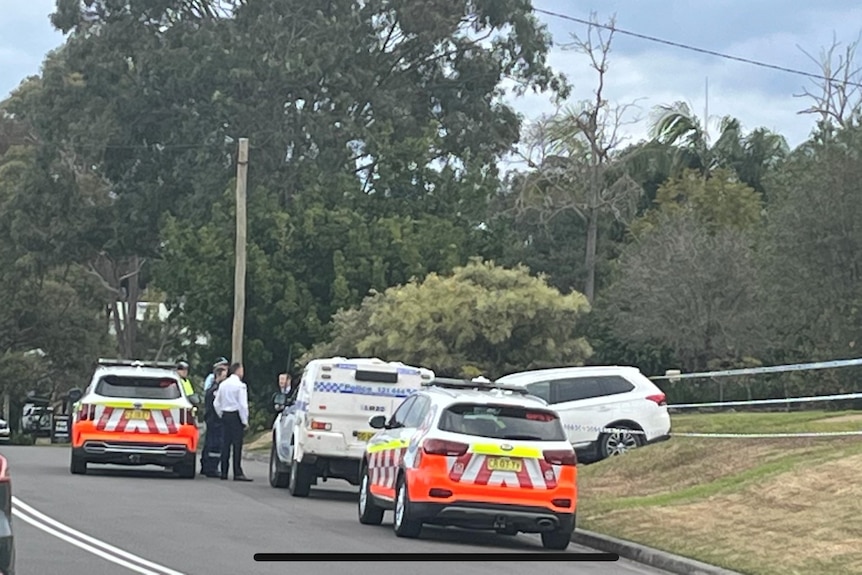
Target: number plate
<point x="504" y="464"/>
<point x="137" y="414"/>
<point x="365" y="435"/>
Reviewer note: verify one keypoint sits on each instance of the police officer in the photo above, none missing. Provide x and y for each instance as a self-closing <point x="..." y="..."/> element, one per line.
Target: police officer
<point x="214" y="438"/>
<point x="183" y="371"/>
<point x="220" y="362"/>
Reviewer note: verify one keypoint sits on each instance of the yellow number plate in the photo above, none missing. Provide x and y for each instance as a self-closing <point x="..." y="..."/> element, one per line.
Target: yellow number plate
<point x="365" y="435"/>
<point x="137" y="414"/>
<point x="504" y="464"/>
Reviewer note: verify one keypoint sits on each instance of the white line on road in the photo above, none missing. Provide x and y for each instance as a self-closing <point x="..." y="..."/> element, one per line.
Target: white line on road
<point x="99" y="548"/>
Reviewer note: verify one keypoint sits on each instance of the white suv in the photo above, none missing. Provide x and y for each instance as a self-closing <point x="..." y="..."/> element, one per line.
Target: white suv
<point x="606" y="410"/>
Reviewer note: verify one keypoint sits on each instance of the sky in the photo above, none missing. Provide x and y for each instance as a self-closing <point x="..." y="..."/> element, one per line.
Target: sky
<point x="642" y="72"/>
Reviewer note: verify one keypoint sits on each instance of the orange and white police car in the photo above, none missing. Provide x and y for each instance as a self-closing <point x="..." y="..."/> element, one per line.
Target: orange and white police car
<point x="472" y="455"/>
<point x="135" y="413"/>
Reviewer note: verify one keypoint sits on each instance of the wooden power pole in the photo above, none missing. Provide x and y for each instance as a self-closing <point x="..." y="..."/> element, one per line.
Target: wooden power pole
<point x="240" y="253"/>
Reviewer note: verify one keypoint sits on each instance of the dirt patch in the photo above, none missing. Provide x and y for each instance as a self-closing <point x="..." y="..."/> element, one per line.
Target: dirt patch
<point x="260" y="443"/>
<point x="801" y="521"/>
<point x="682" y="463"/>
<point x="849" y="418"/>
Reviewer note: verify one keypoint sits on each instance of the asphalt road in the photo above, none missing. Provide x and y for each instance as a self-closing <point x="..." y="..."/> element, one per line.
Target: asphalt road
<point x="213" y="527"/>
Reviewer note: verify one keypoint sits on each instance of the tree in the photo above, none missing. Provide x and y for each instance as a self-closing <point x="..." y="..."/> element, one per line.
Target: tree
<point x="577" y="169"/>
<point x="481" y="319"/>
<point x="837" y="97"/>
<point x="690" y="289"/>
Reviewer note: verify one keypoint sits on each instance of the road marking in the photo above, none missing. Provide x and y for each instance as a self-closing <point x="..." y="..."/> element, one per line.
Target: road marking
<point x="90" y="544"/>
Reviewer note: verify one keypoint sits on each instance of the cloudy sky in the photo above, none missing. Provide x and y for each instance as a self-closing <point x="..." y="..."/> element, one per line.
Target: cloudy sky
<point x="770" y="31"/>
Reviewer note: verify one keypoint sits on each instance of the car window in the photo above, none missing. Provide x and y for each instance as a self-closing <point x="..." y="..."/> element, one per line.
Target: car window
<point x="138" y="387"/>
<point x="541" y="389"/>
<point x="576" y="388"/>
<point x="614" y="384"/>
<point x="502" y="422"/>
<point x="417" y="412"/>
<point x="400" y="414"/>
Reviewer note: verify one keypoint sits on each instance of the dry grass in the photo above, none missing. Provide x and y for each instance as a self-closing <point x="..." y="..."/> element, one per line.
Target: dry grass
<point x="763" y="507"/>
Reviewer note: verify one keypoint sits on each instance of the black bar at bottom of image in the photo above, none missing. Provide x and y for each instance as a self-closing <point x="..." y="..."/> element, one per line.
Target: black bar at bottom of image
<point x="438" y="557"/>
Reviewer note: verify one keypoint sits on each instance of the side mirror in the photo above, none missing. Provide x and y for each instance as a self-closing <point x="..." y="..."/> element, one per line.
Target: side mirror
<point x="377" y="421"/>
<point x="280" y="401"/>
<point x="195" y="399"/>
<point x="75" y="395"/>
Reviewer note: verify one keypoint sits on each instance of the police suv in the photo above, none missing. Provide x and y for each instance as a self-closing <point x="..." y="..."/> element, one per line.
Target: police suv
<point x="321" y="431"/>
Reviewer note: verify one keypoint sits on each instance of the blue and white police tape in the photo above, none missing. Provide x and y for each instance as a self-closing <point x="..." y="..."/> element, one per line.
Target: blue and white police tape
<point x="759" y="370"/>
<point x="614" y="430"/>
<point x="809" y="399"/>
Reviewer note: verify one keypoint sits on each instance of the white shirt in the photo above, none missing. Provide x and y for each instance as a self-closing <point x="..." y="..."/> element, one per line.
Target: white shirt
<point x="232" y="395"/>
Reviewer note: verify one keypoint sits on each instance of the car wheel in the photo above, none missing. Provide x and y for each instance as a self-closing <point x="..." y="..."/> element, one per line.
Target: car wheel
<point x="369" y="512"/>
<point x="300" y="479"/>
<point x="557" y="540"/>
<point x="78" y="465"/>
<point x="619" y="442"/>
<point x="277" y="476"/>
<point x="405" y="524"/>
<point x="186" y="470"/>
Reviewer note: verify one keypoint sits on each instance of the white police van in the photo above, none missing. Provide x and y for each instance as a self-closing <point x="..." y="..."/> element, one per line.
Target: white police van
<point x="321" y="431"/>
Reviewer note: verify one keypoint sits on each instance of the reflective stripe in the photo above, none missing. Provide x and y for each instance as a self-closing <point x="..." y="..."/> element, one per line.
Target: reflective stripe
<point x="493" y="449"/>
<point x="393" y="444"/>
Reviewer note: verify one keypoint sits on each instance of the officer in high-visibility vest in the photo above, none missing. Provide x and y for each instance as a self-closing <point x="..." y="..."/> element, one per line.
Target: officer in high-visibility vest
<point x="183" y="371"/>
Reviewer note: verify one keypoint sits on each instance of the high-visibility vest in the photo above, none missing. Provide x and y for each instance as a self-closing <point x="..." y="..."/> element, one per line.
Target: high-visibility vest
<point x="188" y="387"/>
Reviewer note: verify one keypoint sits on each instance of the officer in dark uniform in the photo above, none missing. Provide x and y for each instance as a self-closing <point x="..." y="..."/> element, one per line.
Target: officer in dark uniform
<point x="215" y="432"/>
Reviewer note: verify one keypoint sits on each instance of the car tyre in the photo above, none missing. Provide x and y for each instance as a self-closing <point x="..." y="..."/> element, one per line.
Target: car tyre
<point x="301" y="477"/>
<point x="78" y="465"/>
<point x="278" y="477"/>
<point x="187" y="469"/>
<point x="557" y="540"/>
<point x="619" y="442"/>
<point x="369" y="512"/>
<point x="405" y="524"/>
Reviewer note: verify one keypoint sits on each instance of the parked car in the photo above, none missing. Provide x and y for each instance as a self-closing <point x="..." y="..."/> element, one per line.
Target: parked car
<point x="7" y="540"/>
<point x="606" y="410"/>
<point x="5" y="432"/>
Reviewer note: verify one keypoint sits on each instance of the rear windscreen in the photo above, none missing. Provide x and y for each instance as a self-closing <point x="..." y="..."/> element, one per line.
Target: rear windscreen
<point x="138" y="387"/>
<point x="502" y="422"/>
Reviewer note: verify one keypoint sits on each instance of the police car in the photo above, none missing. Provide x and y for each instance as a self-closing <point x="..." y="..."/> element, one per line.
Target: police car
<point x="472" y="455"/>
<point x="135" y="413"/>
<point x="321" y="432"/>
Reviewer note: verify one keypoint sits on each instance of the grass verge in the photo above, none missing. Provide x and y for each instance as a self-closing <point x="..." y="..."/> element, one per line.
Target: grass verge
<point x="759" y="506"/>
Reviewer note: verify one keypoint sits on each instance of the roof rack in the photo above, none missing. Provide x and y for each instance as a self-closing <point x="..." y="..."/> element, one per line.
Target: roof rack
<point x="477" y="384"/>
<point x="135" y="363"/>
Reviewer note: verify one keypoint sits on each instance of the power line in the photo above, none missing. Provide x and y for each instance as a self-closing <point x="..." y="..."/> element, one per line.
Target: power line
<point x="696" y="49"/>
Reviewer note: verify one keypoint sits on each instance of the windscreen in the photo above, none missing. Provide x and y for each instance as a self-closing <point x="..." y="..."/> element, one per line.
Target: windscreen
<point x="138" y="387"/>
<point x="502" y="422"/>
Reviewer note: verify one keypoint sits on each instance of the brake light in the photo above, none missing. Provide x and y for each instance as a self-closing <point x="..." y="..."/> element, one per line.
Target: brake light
<point x="320" y="425"/>
<point x="561" y="457"/>
<point x="658" y="398"/>
<point x="86" y="412"/>
<point x="443" y="447"/>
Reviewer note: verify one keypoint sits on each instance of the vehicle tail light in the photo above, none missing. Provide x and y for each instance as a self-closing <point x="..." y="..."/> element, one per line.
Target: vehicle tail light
<point x="320" y="425"/>
<point x="443" y="447"/>
<point x="561" y="502"/>
<point x="658" y="398"/>
<point x="561" y="457"/>
<point x="86" y="411"/>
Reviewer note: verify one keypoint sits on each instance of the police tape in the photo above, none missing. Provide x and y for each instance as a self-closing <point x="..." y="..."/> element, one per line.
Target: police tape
<point x="760" y="370"/>
<point x="808" y="399"/>
<point x="626" y="431"/>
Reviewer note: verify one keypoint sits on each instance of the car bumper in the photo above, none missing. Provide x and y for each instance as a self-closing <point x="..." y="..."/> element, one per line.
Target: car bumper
<point x="476" y="515"/>
<point x="133" y="453"/>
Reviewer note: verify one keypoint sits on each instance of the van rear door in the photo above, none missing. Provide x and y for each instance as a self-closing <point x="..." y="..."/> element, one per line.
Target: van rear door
<point x="345" y="395"/>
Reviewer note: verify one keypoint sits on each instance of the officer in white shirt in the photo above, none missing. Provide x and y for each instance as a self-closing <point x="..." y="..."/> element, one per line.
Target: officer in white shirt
<point x="231" y="405"/>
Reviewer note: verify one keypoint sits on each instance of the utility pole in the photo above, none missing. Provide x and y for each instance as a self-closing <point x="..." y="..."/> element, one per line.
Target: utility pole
<point x="240" y="252"/>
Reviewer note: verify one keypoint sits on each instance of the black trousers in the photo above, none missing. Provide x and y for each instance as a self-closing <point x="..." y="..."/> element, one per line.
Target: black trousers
<point x="233" y="433"/>
<point x="213" y="442"/>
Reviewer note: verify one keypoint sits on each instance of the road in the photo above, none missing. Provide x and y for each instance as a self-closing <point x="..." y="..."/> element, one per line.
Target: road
<point x="212" y="527"/>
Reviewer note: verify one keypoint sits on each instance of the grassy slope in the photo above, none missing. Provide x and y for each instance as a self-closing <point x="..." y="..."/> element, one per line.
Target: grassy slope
<point x="758" y="506"/>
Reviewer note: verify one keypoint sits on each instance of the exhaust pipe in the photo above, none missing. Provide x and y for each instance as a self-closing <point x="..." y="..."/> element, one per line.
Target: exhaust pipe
<point x="546" y="523"/>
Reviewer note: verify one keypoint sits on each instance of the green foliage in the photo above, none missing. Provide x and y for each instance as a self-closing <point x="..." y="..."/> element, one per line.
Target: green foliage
<point x="481" y="319"/>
